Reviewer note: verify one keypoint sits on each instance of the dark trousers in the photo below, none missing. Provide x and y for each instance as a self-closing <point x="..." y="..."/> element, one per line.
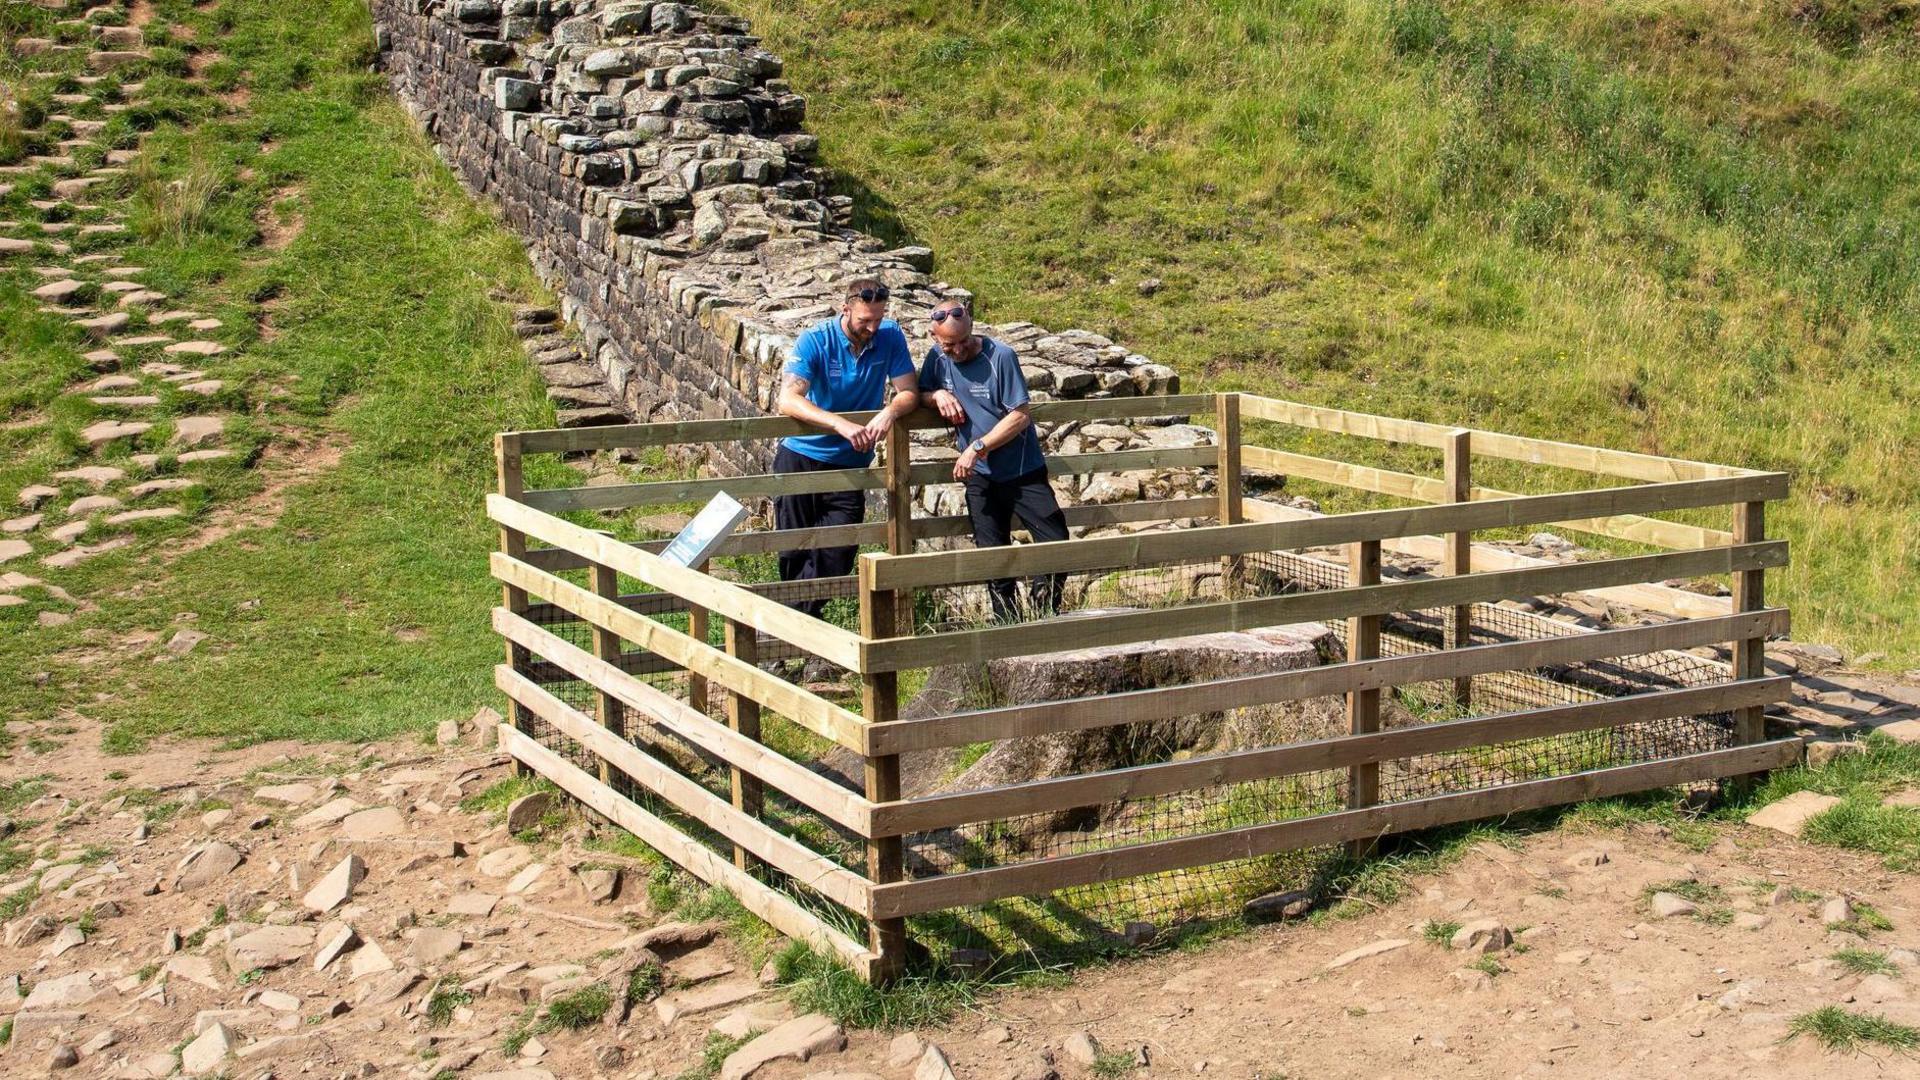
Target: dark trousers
<point x="993" y="504"/>
<point x="812" y="512"/>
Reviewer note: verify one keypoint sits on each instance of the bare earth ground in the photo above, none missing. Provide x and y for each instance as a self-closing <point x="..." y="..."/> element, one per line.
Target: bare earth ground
<point x="1595" y="986"/>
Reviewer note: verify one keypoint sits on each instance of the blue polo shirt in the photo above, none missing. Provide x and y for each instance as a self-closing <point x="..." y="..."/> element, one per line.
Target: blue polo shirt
<point x="988" y="387"/>
<point x="838" y="381"/>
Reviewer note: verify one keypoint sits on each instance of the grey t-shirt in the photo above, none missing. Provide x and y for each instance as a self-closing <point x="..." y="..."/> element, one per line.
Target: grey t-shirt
<point x="989" y="386"/>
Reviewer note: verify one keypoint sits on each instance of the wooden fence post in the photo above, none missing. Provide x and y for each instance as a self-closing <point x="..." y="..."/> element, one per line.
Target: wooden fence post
<point x="880" y="704"/>
<point x="1749" y="594"/>
<point x="899" y="466"/>
<point x="1459" y="560"/>
<point x="605" y="581"/>
<point x="1363" y="706"/>
<point x="743" y="716"/>
<point x="1226" y="414"/>
<point x="513" y="544"/>
<point x="699" y="626"/>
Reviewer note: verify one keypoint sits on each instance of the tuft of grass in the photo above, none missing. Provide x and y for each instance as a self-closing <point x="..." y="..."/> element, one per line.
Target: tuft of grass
<point x="1440" y="933"/>
<point x="646" y="982"/>
<point x="1490" y="965"/>
<point x="1865" y="962"/>
<point x="1112" y="1063"/>
<point x="713" y="1054"/>
<point x="1699" y="892"/>
<point x="495" y="798"/>
<point x="1846" y="1031"/>
<point x="816" y="983"/>
<point x="445" y="998"/>
<point x="582" y="1008"/>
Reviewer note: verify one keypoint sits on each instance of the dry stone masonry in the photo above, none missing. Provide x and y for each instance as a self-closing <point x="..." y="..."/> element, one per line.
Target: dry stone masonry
<point x="652" y="156"/>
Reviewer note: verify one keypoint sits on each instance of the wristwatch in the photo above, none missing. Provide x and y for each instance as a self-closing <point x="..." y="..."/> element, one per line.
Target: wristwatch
<point x="979" y="446"/>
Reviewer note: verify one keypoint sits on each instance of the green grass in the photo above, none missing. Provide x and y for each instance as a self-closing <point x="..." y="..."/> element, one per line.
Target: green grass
<point x="582" y="1008"/>
<point x="446" y="997"/>
<point x="1112" y="1063"/>
<point x="1844" y="1030"/>
<point x="713" y="1054"/>
<point x="384" y="349"/>
<point x="1865" y="962"/>
<point x="1686" y="229"/>
<point x="1440" y="933"/>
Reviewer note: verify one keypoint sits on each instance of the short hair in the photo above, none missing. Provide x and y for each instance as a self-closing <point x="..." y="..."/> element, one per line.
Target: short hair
<point x="962" y="299"/>
<point x="853" y="287"/>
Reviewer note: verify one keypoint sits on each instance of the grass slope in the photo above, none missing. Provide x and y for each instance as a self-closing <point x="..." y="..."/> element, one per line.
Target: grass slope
<point x="361" y="610"/>
<point x="1690" y="228"/>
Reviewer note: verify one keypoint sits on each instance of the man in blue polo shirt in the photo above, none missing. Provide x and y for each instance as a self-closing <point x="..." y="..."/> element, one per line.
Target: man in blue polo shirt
<point x="975" y="383"/>
<point x="845" y="364"/>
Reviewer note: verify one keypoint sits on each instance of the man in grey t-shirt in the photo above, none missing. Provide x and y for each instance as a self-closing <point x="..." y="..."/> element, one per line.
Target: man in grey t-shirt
<point x="976" y="384"/>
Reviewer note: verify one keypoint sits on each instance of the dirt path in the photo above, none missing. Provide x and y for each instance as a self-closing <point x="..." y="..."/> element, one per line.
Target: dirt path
<point x="464" y="937"/>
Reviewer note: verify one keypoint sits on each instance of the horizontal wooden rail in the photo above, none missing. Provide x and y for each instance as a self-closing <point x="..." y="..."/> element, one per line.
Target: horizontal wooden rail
<point x="741" y="429"/>
<point x="1161" y="548"/>
<point x="817" y="715"/>
<point x="1146" y="781"/>
<point x="1167" y="702"/>
<point x="799" y="783"/>
<point x="992" y="643"/>
<point x="1645" y="530"/>
<point x="779" y="910"/>
<point x="779" y="851"/>
<point x="1182" y="457"/>
<point x="1592" y="459"/>
<point x="722" y="598"/>
<point x="1666" y="599"/>
<point x="1045" y="876"/>
<point x="772" y="540"/>
<point x="658" y="492"/>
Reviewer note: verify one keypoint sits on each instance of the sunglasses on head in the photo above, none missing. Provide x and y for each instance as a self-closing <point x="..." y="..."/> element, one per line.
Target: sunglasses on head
<point x="881" y="294"/>
<point x="949" y="313"/>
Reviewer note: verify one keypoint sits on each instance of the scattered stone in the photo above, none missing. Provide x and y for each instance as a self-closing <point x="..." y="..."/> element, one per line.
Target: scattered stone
<point x="1790" y="815"/>
<point x="1482" y="936"/>
<point x="755" y="1017"/>
<point x="435" y="945"/>
<point x="279" y="1001"/>
<point x="369" y="959"/>
<point x="185" y="641"/>
<point x="1278" y="905"/>
<point x="1083" y="1048"/>
<point x="506" y="861"/>
<point x="379" y="823"/>
<point x="1836" y="909"/>
<point x="65" y="992"/>
<point x="1588" y="859"/>
<point x="99" y="476"/>
<point x="801" y="1039"/>
<point x="1376" y="948"/>
<point x="904" y="1050"/>
<point x="327" y="814"/>
<point x="31" y="497"/>
<point x="527" y="810"/>
<point x="269" y="947"/>
<point x="1666" y="905"/>
<point x="475" y="904"/>
<point x="333" y="941"/>
<point x="62" y="1056"/>
<point x="291" y="794"/>
<point x="208" y="1052"/>
<point x="599" y="884"/>
<point x="933" y="1066"/>
<point x="337" y="887"/>
<point x="205" y="864"/>
<point x="195" y="348"/>
<point x="1751" y="920"/>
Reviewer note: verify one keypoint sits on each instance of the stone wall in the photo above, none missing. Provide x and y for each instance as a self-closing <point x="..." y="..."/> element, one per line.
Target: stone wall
<point x="652" y="157"/>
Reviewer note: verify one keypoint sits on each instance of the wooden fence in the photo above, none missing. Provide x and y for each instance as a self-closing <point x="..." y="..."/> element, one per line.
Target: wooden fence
<point x="636" y="684"/>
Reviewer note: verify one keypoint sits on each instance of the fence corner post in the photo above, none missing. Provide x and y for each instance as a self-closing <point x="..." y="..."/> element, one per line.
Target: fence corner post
<point x="880" y="704"/>
<point x="1749" y="594"/>
<point x="511" y="483"/>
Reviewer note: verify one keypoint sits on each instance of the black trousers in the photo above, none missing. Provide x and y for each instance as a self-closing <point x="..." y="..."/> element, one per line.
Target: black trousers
<point x="993" y="504"/>
<point x="812" y="512"/>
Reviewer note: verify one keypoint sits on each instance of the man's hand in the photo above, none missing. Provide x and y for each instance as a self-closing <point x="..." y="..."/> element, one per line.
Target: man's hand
<point x="875" y="431"/>
<point x="963" y="465"/>
<point x="862" y="438"/>
<point x="948" y="407"/>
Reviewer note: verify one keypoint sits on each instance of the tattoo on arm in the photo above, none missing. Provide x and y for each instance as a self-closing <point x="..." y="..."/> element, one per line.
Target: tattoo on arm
<point x="796" y="384"/>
